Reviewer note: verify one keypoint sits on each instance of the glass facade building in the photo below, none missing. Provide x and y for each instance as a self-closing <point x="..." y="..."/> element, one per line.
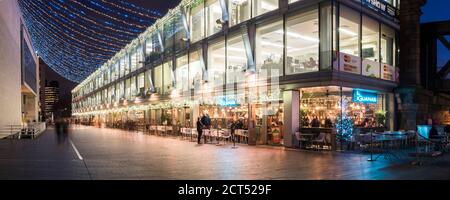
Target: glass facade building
<point x="276" y="65"/>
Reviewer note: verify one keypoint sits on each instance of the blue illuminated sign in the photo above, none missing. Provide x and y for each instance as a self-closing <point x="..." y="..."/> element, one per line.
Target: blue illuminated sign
<point x="365" y="97"/>
<point x="227" y="102"/>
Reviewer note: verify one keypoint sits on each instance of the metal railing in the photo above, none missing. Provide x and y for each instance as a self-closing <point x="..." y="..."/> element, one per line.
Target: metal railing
<point x="31" y="130"/>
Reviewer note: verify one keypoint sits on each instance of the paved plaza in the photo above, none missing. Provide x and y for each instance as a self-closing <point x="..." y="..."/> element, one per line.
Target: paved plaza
<point x="99" y="154"/>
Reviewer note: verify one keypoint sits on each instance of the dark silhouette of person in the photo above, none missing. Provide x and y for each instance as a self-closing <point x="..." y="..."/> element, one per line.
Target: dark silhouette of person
<point x="315" y="123"/>
<point x="233" y="127"/>
<point x="328" y="123"/>
<point x="434" y="136"/>
<point x="199" y="129"/>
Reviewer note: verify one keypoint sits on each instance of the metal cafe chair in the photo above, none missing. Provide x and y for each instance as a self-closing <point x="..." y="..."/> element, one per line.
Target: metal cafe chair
<point x="319" y="141"/>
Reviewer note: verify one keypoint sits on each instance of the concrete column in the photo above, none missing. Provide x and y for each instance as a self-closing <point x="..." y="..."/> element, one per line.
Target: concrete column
<point x="291" y="101"/>
<point x="195" y="113"/>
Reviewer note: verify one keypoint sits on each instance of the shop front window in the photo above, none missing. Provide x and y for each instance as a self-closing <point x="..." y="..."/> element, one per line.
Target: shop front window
<point x="263" y="6"/>
<point x="323" y="107"/>
<point x="370" y="47"/>
<point x="302" y="40"/>
<point x="236" y="59"/>
<point x="213" y="16"/>
<point x="197" y="21"/>
<point x="269" y="49"/>
<point x="196" y="66"/>
<point x="349" y="56"/>
<point x="239" y="11"/>
<point x="216" y="64"/>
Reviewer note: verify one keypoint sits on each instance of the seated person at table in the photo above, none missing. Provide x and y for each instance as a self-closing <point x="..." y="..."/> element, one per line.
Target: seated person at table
<point x="328" y="123"/>
<point x="315" y="123"/>
<point x="434" y="137"/>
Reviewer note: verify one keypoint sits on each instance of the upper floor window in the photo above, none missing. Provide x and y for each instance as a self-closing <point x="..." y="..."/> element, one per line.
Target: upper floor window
<point x="239" y="11"/>
<point x="263" y="6"/>
<point x="197" y="21"/>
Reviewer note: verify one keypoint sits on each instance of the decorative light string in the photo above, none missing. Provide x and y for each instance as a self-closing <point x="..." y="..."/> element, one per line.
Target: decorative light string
<point x="132" y="11"/>
<point x="108" y="16"/>
<point x="74" y="13"/>
<point x="71" y="22"/>
<point x="57" y="22"/>
<point x="76" y="37"/>
<point x="67" y="33"/>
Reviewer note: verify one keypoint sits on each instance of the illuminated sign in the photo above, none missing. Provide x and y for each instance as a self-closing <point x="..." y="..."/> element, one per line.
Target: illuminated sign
<point x="224" y="102"/>
<point x="366" y="97"/>
<point x="381" y="6"/>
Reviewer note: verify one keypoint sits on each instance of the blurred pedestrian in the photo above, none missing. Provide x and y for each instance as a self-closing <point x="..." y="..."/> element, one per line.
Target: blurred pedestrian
<point x="199" y="130"/>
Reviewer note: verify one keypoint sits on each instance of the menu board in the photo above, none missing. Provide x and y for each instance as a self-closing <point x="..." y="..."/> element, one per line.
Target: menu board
<point x="388" y="72"/>
<point x="371" y="68"/>
<point x="349" y="63"/>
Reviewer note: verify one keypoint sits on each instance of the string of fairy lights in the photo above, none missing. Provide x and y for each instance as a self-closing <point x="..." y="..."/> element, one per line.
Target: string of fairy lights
<point x="75" y="37"/>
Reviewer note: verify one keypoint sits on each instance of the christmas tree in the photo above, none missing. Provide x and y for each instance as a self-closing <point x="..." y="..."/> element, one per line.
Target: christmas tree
<point x="344" y="123"/>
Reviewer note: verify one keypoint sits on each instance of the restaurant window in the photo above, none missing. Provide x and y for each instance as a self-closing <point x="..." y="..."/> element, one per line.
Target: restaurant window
<point x="216" y="63"/>
<point x="155" y="42"/>
<point x="133" y="87"/>
<point x="180" y="31"/>
<point x="117" y="93"/>
<point x="148" y="46"/>
<point x="262" y="6"/>
<point x="197" y="21"/>
<point x="128" y="89"/>
<point x="123" y="65"/>
<point x="115" y="71"/>
<point x="141" y="83"/>
<point x="213" y="17"/>
<point x="134" y="60"/>
<point x="302" y="40"/>
<point x="388" y="53"/>
<point x="121" y="90"/>
<point x="112" y="94"/>
<point x="370" y="47"/>
<point x="239" y="11"/>
<point x="269" y="49"/>
<point x="327" y="35"/>
<point x="349" y="22"/>
<point x="167" y="78"/>
<point x="147" y="79"/>
<point x="182" y="73"/>
<point x="140" y="57"/>
<point x="236" y="59"/>
<point x="158" y="79"/>
<point x="327" y="104"/>
<point x="196" y="69"/>
<point x="168" y="34"/>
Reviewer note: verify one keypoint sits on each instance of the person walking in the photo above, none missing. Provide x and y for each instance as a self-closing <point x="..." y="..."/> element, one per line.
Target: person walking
<point x="199" y="130"/>
<point x="233" y="127"/>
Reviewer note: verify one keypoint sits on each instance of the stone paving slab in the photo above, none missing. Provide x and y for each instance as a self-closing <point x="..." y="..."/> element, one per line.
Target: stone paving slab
<point x="116" y="154"/>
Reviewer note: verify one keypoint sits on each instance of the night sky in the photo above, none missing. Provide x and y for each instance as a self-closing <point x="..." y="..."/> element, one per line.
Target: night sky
<point x="438" y="10"/>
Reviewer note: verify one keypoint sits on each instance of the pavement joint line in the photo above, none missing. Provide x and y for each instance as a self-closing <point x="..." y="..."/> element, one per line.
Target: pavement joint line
<point x="75" y="149"/>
